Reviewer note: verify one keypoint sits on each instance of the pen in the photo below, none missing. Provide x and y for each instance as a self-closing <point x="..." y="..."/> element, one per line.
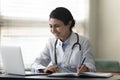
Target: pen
<point x="83" y="61"/>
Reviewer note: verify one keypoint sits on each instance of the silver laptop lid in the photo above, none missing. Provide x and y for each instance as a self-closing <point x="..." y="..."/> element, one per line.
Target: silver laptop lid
<point x="12" y="60"/>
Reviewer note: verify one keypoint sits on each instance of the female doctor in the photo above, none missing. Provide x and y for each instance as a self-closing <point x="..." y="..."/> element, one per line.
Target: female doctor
<point x="67" y="51"/>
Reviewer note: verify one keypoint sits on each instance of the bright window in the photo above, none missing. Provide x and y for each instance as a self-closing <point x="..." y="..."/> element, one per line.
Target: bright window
<point x="25" y="23"/>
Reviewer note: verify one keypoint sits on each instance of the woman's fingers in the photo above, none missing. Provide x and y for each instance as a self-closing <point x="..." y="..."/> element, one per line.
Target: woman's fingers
<point x="51" y="68"/>
<point x="83" y="68"/>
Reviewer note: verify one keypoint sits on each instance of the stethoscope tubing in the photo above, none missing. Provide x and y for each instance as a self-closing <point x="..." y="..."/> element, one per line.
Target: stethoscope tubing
<point x="76" y="43"/>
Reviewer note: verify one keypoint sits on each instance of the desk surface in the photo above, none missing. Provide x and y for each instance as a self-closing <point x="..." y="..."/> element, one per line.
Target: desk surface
<point x="44" y="77"/>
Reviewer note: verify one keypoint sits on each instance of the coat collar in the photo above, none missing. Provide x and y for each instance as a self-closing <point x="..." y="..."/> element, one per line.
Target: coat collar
<point x="71" y="40"/>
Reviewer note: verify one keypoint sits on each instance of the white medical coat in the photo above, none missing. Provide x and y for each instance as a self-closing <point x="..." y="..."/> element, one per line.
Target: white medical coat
<point x="68" y="59"/>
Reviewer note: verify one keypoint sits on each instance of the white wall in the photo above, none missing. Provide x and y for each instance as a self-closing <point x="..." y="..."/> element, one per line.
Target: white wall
<point x="92" y="22"/>
<point x="108" y="30"/>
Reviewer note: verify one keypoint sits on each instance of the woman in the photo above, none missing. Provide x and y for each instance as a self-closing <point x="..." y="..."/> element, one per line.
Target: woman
<point x="67" y="51"/>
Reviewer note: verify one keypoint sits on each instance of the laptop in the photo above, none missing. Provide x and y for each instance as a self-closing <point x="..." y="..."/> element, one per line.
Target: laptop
<point x="12" y="61"/>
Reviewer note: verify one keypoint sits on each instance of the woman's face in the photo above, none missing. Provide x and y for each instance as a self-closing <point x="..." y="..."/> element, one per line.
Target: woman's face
<point x="59" y="29"/>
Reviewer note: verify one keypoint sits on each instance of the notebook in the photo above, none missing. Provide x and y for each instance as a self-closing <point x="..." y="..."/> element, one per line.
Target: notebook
<point x="12" y="61"/>
<point x="84" y="74"/>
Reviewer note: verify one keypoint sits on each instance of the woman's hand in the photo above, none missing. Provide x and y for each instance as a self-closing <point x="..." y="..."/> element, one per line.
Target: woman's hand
<point x="51" y="69"/>
<point x="83" y="68"/>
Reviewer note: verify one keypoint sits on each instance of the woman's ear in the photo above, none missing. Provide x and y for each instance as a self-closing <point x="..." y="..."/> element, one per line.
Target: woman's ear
<point x="70" y="23"/>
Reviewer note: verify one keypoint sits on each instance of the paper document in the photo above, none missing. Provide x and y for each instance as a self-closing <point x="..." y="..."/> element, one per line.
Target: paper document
<point x="84" y="74"/>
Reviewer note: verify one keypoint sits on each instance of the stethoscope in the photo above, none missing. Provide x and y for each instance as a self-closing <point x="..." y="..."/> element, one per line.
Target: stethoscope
<point x="76" y="43"/>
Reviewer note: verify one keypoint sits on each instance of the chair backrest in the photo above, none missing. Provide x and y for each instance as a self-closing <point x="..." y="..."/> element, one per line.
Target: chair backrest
<point x="107" y="65"/>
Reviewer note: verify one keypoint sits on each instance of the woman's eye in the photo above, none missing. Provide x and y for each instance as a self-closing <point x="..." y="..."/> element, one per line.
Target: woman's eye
<point x="50" y="26"/>
<point x="55" y="26"/>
